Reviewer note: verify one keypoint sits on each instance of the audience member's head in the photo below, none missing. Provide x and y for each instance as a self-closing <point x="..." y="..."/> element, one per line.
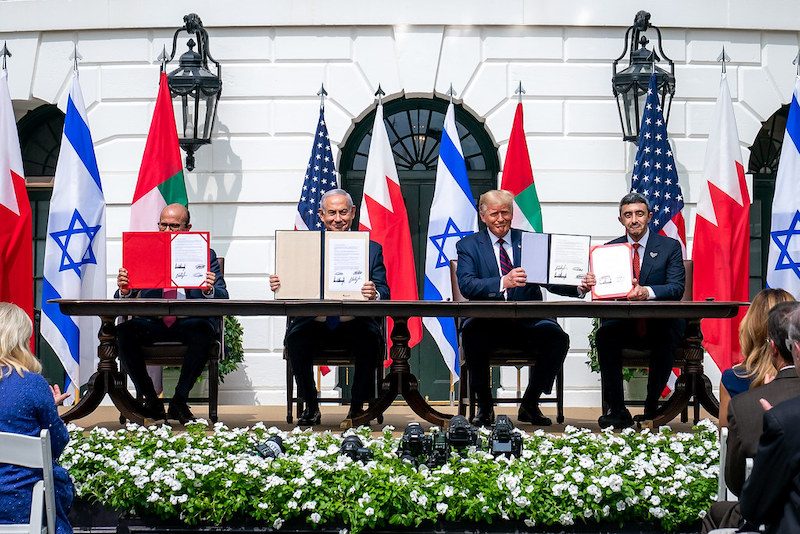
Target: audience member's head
<point x="778" y="331"/>
<point x="793" y="341"/>
<point x="753" y="336"/>
<point x="15" y="336"/>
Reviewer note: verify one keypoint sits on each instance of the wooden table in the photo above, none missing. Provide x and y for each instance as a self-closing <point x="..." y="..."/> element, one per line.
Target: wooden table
<point x="400" y="381"/>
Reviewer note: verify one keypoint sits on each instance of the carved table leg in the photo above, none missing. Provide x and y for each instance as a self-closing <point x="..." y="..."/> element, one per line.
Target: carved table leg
<point x="692" y="383"/>
<point x="399" y="381"/>
<point x="106" y="380"/>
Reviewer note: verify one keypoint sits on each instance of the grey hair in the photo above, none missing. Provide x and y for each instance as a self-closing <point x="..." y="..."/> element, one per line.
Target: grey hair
<point x="794" y="324"/>
<point x="336" y="192"/>
<point x="634" y="198"/>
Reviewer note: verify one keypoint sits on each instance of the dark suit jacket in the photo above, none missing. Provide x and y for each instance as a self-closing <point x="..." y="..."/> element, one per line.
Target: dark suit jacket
<point x="479" y="274"/>
<point x="745" y="416"/>
<point x="662" y="266"/>
<point x="220" y="290"/>
<point x="771" y="494"/>
<point x="377" y="274"/>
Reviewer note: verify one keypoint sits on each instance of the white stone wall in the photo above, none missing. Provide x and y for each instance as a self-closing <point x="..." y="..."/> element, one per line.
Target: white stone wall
<point x="275" y="56"/>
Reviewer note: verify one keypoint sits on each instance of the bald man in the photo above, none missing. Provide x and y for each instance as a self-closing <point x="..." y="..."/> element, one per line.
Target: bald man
<point x="198" y="333"/>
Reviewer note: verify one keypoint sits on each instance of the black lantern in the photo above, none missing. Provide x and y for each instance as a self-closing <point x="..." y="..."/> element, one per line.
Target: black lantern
<point x="630" y="85"/>
<point x="195" y="87"/>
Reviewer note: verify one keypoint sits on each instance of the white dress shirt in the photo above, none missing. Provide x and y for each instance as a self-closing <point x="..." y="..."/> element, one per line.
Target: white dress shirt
<point x="496" y="249"/>
<point x="651" y="295"/>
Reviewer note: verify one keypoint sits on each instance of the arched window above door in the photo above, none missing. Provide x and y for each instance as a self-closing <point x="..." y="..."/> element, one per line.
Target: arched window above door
<point x="40" y="141"/>
<point x="415" y="126"/>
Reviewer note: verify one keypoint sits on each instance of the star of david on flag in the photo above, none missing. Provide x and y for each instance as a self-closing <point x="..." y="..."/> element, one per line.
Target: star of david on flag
<point x="75" y="250"/>
<point x="783" y="265"/>
<point x="452" y="217"/>
<point x="439" y="241"/>
<point x="320" y="177"/>
<point x="64" y="238"/>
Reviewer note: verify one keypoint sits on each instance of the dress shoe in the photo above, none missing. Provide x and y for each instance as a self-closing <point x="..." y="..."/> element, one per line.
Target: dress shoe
<point x="309" y="417"/>
<point x="180" y="412"/>
<point x="532" y="414"/>
<point x="355" y="411"/>
<point x="153" y="409"/>
<point x="617" y="418"/>
<point x="484" y="417"/>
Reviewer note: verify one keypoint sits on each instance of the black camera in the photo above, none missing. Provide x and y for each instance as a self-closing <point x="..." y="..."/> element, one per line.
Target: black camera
<point x="272" y="448"/>
<point x="461" y="434"/>
<point x="440" y="449"/>
<point x="414" y="445"/>
<point x="353" y="447"/>
<point x="504" y="440"/>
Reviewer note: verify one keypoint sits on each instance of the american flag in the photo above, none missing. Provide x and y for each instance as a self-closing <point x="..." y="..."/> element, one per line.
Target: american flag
<point x="655" y="177"/>
<point x="654" y="173"/>
<point x="320" y="177"/>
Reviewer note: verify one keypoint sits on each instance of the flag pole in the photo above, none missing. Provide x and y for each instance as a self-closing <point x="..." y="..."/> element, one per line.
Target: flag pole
<point x="796" y="62"/>
<point x="451" y="93"/>
<point x="6" y="54"/>
<point x="380" y="94"/>
<point x="520" y="91"/>
<point x="723" y="58"/>
<point x="75" y="56"/>
<point x="162" y="57"/>
<point x="322" y="93"/>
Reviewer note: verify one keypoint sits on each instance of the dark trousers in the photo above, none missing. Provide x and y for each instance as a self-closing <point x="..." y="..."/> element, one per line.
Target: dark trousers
<point x="196" y="332"/>
<point x="543" y="338"/>
<point x="723" y="514"/>
<point x="307" y="341"/>
<point x="658" y="336"/>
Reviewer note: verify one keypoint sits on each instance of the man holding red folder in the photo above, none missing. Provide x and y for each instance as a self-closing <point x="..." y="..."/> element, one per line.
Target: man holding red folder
<point x="196" y="332"/>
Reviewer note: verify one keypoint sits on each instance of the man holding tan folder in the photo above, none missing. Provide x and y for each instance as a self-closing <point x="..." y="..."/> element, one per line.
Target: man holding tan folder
<point x="307" y="336"/>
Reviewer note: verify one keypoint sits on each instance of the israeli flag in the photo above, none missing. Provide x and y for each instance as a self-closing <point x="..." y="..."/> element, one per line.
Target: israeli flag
<point x="783" y="267"/>
<point x="453" y="216"/>
<point x="75" y="250"/>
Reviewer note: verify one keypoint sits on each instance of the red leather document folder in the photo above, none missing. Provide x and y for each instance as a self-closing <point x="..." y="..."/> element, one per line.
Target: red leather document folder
<point x="154" y="261"/>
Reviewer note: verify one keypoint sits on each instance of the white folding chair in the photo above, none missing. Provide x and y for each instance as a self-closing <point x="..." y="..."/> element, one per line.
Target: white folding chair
<point x="32" y="452"/>
<point x="723" y="493"/>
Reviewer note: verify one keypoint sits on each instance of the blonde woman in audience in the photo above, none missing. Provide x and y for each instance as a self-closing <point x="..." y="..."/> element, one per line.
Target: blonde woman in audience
<point x="756" y="368"/>
<point x="28" y="407"/>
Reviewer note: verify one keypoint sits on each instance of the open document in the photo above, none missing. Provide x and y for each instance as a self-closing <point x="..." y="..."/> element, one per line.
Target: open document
<point x="613" y="271"/>
<point x="166" y="259"/>
<point x="555" y="258"/>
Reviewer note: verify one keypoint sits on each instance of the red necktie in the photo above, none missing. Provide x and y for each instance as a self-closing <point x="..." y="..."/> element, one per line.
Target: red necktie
<point x="170" y="294"/>
<point x="636" y="263"/>
<point x="505" y="262"/>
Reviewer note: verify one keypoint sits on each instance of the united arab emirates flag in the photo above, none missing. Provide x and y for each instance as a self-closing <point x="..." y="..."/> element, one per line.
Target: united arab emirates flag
<point x="518" y="179"/>
<point x="160" y="180"/>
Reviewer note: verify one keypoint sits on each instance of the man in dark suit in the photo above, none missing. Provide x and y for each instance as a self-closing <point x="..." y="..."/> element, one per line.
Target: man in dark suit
<point x="489" y="269"/>
<point x="198" y="333"/>
<point x="747" y="420"/>
<point x="745" y="413"/>
<point x="307" y="336"/>
<point x="659" y="274"/>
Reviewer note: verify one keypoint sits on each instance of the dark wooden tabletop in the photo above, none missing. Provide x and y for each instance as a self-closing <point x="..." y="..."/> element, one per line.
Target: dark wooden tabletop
<point x="395" y="308"/>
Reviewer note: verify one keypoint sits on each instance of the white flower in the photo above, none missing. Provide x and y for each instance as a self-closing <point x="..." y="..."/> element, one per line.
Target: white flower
<point x="315" y="517"/>
<point x="448" y="491"/>
<point x="441" y="507"/>
<point x="566" y="519"/>
<point x="277" y="524"/>
<point x="369" y="512"/>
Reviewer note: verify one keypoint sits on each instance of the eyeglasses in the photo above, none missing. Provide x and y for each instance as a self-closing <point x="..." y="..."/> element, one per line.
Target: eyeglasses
<point x="170" y="226"/>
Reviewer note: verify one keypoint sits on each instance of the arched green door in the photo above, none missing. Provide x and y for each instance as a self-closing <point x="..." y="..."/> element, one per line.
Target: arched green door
<point x="415" y="126"/>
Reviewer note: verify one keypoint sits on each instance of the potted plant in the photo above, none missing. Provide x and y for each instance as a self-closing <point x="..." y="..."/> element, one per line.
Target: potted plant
<point x="635" y="378"/>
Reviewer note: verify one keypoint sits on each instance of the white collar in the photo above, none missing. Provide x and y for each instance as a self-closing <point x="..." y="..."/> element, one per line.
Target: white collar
<point x="642" y="241"/>
<point x="506" y="238"/>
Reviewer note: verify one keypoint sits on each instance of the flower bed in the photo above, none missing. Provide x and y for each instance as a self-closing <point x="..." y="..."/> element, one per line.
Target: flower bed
<point x="214" y="477"/>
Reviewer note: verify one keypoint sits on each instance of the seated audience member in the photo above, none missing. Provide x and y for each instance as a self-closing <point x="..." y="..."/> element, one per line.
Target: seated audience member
<point x="659" y="274"/>
<point x="307" y="336"/>
<point x="489" y="269"/>
<point x="752" y="433"/>
<point x="198" y="333"/>
<point x="758" y="366"/>
<point x="745" y="413"/>
<point x="28" y="406"/>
